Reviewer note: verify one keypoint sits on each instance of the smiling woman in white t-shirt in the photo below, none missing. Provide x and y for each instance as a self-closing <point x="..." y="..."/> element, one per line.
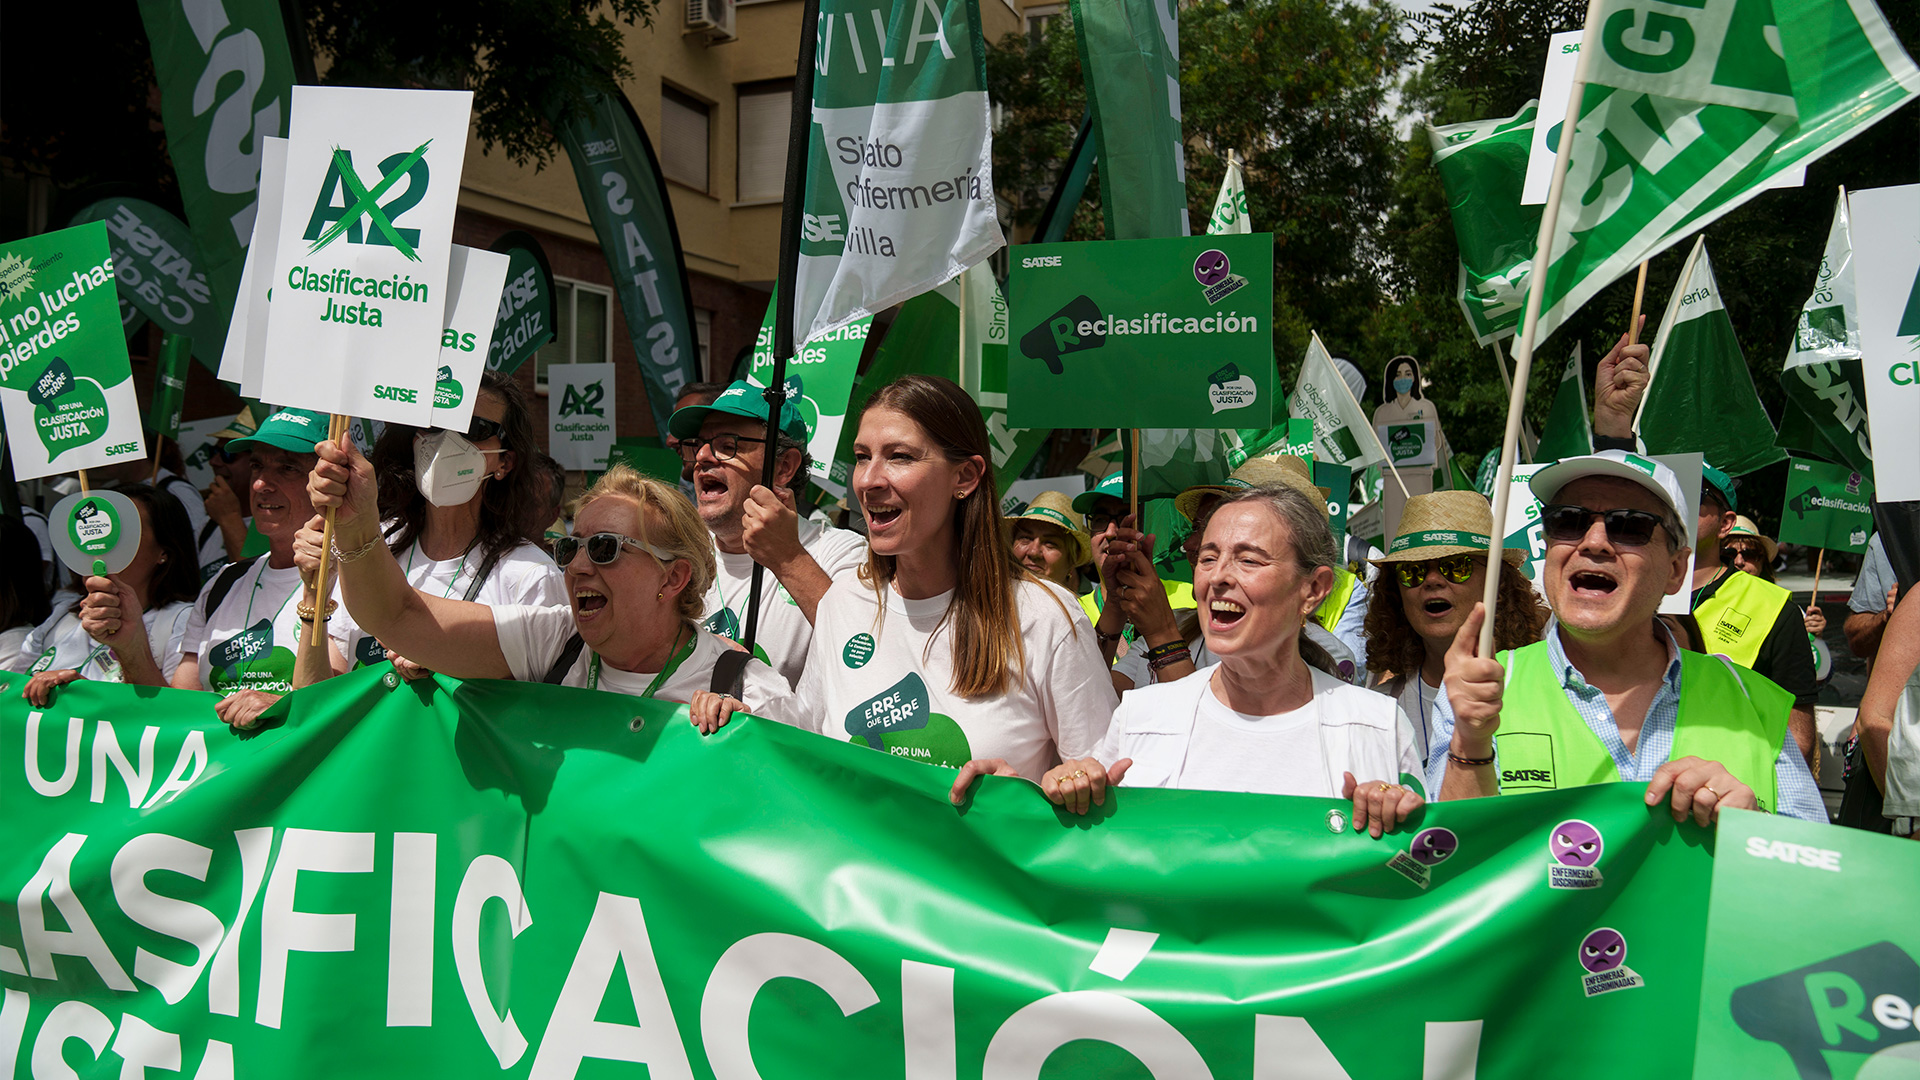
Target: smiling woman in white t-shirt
<point x="941" y="649"/>
<point x="637" y="570"/>
<point x="1262" y="719"/>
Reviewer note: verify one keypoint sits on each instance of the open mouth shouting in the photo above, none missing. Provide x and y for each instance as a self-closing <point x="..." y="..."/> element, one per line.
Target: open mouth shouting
<point x="1224" y="614"/>
<point x="708" y="486"/>
<point x="1592" y="584"/>
<point x="881" y="519"/>
<point x="587" y="602"/>
<point x="1437" y="606"/>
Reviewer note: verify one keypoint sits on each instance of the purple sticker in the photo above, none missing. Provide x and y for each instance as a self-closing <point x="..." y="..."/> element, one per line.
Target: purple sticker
<point x="1431" y="847"/>
<point x="1211" y="267"/>
<point x="1603" y="950"/>
<point x="1575" y="843"/>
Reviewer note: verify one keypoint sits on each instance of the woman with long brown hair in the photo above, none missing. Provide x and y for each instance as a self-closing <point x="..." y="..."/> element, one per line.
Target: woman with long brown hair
<point x="942" y="649"/>
<point x="1431" y="575"/>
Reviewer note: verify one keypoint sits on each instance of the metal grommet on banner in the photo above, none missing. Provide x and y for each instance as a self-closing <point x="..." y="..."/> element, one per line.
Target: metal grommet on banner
<point x="636" y="723"/>
<point x="391" y="679"/>
<point x="1336" y="820"/>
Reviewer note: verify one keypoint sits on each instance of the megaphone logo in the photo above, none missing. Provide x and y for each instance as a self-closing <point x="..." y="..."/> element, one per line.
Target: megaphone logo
<point x="1066" y="331"/>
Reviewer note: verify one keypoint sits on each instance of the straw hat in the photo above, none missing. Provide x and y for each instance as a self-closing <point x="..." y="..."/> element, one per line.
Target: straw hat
<point x="1744" y="526"/>
<point x="1054" y="508"/>
<point x="242" y="426"/>
<point x="1284" y="470"/>
<point x="1443" y="523"/>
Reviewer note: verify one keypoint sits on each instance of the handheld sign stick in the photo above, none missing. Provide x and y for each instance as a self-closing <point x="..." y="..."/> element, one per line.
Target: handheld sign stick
<point x="84" y="486"/>
<point x="95" y="533"/>
<point x="1530" y="324"/>
<point x="336" y="430"/>
<point x="1639" y="292"/>
<point x="1819" y="562"/>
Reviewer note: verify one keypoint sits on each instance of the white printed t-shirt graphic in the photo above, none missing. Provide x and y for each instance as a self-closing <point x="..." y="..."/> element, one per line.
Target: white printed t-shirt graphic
<point x="887" y="681"/>
<point x="60" y="644"/>
<point x="783" y="633"/>
<point x="248" y="642"/>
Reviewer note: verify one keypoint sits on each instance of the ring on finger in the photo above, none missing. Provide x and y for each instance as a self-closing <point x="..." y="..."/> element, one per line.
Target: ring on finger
<point x="1708" y="788"/>
<point x="1079" y="774"/>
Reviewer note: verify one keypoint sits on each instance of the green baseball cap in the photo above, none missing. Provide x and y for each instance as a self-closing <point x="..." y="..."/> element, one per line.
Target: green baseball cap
<point x="741" y="399"/>
<point x="1114" y="486"/>
<point x="294" y="430"/>
<point x="1721" y="483"/>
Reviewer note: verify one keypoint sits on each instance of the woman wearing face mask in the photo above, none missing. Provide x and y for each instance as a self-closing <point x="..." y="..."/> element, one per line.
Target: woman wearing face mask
<point x="453" y="509"/>
<point x="164" y="578"/>
<point x="1261" y="719"/>
<point x="1433" y="573"/>
<point x="637" y="570"/>
<point x="942" y="649"/>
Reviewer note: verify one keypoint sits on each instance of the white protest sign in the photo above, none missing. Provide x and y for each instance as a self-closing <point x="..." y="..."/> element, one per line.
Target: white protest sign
<point x="1556" y="85"/>
<point x="1686" y="469"/>
<point x="366" y="235"/>
<point x="475" y="279"/>
<point x="244" y="357"/>
<point x="580" y="415"/>
<point x="1886" y="273"/>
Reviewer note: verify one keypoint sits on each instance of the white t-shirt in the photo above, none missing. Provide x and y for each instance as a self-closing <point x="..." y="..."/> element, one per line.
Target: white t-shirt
<point x="248" y="642"/>
<point x="532" y="638"/>
<point x="1303" y="752"/>
<point x="888" y="682"/>
<point x="524" y="575"/>
<point x="60" y="643"/>
<point x="782" y="636"/>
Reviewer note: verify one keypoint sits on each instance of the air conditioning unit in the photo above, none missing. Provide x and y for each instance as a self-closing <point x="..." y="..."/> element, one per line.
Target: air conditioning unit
<point x="712" y="19"/>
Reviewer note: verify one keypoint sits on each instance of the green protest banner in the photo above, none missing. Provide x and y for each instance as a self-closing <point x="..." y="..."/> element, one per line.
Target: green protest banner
<point x="169" y="386"/>
<point x="898" y="194"/>
<point x="1826" y="506"/>
<point x="1691" y="112"/>
<point x="157" y="268"/>
<point x="1176" y="332"/>
<point x="1130" y="57"/>
<point x="819" y="381"/>
<point x="525" y="320"/>
<point x="1569" y="430"/>
<point x="225" y="74"/>
<point x="66" y="386"/>
<point x="1342" y="433"/>
<point x="1833" y="998"/>
<point x="459" y="879"/>
<point x="626" y="196"/>
<point x="1483" y="165"/>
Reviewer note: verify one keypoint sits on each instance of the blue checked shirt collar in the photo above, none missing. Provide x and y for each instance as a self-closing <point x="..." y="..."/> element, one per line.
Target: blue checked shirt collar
<point x="1655" y="744"/>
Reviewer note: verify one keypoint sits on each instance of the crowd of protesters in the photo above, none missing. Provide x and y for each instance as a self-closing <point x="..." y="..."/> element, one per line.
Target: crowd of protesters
<point x="1046" y="645"/>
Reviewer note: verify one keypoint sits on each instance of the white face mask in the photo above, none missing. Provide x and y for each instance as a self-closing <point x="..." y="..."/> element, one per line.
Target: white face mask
<point x="447" y="468"/>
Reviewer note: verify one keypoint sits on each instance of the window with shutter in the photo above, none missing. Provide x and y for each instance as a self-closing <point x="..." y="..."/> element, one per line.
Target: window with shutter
<point x="765" y="114"/>
<point x="684" y="126"/>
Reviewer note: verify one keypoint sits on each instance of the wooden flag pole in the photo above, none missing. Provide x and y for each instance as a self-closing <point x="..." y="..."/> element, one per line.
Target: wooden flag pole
<point x="84" y="486"/>
<point x="336" y="429"/>
<point x="159" y="442"/>
<point x="1133" y="481"/>
<point x="1530" y="325"/>
<point x="1639" y="294"/>
<point x="1819" y="563"/>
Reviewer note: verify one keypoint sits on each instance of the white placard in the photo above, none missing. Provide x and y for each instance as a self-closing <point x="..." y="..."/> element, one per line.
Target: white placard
<point x="243" y="359"/>
<point x="1886" y="264"/>
<point x="475" y="279"/>
<point x="580" y="415"/>
<point x="366" y="234"/>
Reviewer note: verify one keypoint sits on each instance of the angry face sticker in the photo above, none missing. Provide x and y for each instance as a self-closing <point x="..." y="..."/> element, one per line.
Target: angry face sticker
<point x="1603" y="956"/>
<point x="1575" y="848"/>
<point x="1431" y="847"/>
<point x="1212" y="267"/>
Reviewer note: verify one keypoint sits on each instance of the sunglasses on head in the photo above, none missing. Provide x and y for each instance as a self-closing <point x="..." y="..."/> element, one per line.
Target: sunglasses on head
<point x="1625" y="528"/>
<point x="480" y="429"/>
<point x="1455" y="568"/>
<point x="602" y="548"/>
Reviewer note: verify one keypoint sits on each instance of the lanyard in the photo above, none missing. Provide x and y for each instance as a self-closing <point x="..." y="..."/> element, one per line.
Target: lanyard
<point x="259" y="579"/>
<point x="673" y="665"/>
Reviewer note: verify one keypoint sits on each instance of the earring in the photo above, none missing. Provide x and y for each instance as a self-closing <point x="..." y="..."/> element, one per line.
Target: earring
<point x="661" y="595"/>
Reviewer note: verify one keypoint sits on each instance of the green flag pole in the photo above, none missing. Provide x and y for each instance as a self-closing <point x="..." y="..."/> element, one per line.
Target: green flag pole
<point x="1530" y="324"/>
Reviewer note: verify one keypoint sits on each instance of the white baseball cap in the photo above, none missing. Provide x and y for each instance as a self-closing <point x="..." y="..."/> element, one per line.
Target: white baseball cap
<point x="1648" y="473"/>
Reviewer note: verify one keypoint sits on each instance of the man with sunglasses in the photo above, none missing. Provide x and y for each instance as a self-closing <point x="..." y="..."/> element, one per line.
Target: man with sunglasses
<point x="1608" y="696"/>
<point x="725" y="443"/>
<point x="1747" y="618"/>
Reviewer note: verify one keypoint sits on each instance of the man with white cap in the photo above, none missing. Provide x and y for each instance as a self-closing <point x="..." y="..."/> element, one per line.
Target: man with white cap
<point x="1608" y="696"/>
<point x="725" y="443"/>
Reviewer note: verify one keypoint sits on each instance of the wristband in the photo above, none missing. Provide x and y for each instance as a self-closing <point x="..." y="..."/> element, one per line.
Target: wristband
<point x="1470" y="762"/>
<point x="1172" y="650"/>
<point x="1109" y="639"/>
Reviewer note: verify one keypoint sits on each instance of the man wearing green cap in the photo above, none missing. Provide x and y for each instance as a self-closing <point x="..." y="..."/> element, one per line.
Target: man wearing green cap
<point x="246" y="624"/>
<point x="724" y="444"/>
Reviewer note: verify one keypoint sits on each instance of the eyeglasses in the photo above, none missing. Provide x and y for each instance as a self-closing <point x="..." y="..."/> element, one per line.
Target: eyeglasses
<point x="602" y="548"/>
<point x="1741" y="551"/>
<point x="725" y="445"/>
<point x="1455" y="568"/>
<point x="1626" y="528"/>
<point x="480" y="429"/>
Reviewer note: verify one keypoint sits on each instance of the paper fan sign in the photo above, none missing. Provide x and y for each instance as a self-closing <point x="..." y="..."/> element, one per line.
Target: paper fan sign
<point x="95" y="532"/>
<point x="66" y="388"/>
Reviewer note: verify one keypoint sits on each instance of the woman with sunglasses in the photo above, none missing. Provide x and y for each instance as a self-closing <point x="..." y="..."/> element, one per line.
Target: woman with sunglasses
<point x="637" y="571"/>
<point x="453" y="510"/>
<point x="1431" y="575"/>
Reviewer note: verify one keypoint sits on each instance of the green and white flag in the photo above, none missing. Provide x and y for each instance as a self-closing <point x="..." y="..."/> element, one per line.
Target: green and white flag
<point x="1690" y="111"/>
<point x="1343" y="435"/>
<point x="1822" y="375"/>
<point x="1483" y="165"/>
<point x="1230" y="212"/>
<point x="226" y="76"/>
<point x="169" y="385"/>
<point x="1130" y="57"/>
<point x="819" y="379"/>
<point x="1569" y="425"/>
<point x="66" y="387"/>
<point x="157" y="268"/>
<point x="1700" y="394"/>
<point x="899" y="186"/>
<point x="524" y="322"/>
